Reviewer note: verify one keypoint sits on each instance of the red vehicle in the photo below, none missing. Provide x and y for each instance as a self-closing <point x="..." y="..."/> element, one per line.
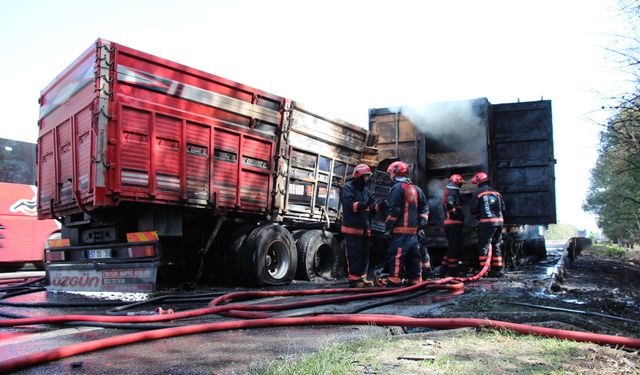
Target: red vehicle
<point x="22" y="236"/>
<point x="244" y="179"/>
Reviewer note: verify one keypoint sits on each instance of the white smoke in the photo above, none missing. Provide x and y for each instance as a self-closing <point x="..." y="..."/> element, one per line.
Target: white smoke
<point x="436" y="187"/>
<point x="458" y="125"/>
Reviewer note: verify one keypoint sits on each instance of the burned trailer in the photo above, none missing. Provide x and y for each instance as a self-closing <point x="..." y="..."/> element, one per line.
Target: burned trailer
<point x="512" y="142"/>
<point x="152" y="166"/>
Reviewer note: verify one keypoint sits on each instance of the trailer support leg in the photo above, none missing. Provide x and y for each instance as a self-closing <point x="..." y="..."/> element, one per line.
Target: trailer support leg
<point x="203" y="252"/>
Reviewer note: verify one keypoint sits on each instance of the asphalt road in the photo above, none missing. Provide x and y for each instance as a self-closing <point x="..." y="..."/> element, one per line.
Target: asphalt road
<point x="231" y="352"/>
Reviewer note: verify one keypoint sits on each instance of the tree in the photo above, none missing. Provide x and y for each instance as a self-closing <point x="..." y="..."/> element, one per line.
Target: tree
<point x="614" y="191"/>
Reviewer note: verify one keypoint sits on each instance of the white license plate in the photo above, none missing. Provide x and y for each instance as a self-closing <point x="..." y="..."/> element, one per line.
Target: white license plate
<point x="99" y="254"/>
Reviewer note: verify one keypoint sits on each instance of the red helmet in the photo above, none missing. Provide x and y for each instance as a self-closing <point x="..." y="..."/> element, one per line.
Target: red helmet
<point x="456" y="179"/>
<point x="398" y="169"/>
<point x="361" y="169"/>
<point x="479" y="178"/>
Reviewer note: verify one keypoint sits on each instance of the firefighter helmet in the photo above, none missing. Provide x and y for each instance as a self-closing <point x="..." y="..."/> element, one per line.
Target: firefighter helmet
<point x="479" y="178"/>
<point x="398" y="169"/>
<point x="361" y="169"/>
<point x="456" y="179"/>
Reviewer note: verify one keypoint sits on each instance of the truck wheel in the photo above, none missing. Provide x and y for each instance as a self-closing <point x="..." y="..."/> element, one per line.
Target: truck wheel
<point x="268" y="256"/>
<point x="317" y="256"/>
<point x="537" y="248"/>
<point x="230" y="266"/>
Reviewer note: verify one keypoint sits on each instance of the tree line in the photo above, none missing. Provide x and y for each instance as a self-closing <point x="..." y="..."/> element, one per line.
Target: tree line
<point x="614" y="191"/>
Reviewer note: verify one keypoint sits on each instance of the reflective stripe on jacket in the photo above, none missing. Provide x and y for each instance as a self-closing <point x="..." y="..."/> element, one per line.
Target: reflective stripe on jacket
<point x="487" y="205"/>
<point x="355" y="212"/>
<point x="453" y="214"/>
<point x="408" y="208"/>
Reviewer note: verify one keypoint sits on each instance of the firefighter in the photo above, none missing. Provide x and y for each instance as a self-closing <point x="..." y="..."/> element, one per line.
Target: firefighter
<point x="408" y="212"/>
<point x="357" y="203"/>
<point x="453" y="223"/>
<point x="488" y="207"/>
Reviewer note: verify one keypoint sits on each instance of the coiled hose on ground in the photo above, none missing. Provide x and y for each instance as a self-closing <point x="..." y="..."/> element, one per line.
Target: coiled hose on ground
<point x="259" y="315"/>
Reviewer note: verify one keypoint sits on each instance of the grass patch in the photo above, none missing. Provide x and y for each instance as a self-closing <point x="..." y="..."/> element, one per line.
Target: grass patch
<point x="609" y="250"/>
<point x="470" y="351"/>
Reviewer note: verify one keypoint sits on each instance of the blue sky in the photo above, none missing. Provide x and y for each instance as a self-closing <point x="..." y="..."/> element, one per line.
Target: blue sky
<point x="341" y="58"/>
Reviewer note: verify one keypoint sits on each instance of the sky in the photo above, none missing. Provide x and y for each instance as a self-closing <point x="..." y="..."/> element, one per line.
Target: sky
<point x="340" y="58"/>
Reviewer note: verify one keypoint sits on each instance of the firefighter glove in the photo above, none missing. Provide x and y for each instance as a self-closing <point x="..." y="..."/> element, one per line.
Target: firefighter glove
<point x="387" y="235"/>
<point x="423" y="223"/>
<point x="384" y="205"/>
<point x="421" y="236"/>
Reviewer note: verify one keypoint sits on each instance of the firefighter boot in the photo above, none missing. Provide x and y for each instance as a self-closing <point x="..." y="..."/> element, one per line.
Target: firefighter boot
<point x="426" y="273"/>
<point x="440" y="271"/>
<point x="390" y="282"/>
<point x="362" y="283"/>
<point x="496" y="272"/>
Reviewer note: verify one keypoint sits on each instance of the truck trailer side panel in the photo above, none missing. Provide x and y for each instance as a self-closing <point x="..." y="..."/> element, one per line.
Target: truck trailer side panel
<point x="120" y="125"/>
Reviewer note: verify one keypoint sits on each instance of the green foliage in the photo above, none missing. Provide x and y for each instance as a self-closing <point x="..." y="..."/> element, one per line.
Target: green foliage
<point x="614" y="193"/>
<point x="608" y="249"/>
<point x="560" y="232"/>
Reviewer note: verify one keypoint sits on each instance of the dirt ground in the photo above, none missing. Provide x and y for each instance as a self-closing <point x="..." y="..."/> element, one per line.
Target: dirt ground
<point x="602" y="293"/>
<point x="596" y="294"/>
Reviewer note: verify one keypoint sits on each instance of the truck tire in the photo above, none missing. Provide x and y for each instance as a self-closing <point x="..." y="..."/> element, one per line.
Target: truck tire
<point x="268" y="256"/>
<point x="231" y="269"/>
<point x="317" y="256"/>
<point x="536" y="247"/>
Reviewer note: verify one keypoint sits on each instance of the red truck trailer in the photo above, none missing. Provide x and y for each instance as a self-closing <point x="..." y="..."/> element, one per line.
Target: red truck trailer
<point x="149" y="163"/>
<point x="22" y="236"/>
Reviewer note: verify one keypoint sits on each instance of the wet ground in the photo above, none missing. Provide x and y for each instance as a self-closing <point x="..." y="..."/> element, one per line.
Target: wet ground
<point x="596" y="294"/>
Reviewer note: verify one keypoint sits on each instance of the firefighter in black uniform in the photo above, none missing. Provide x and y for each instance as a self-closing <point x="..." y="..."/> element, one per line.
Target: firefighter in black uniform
<point x="408" y="212"/>
<point x="453" y="223"/>
<point x="357" y="203"/>
<point x="488" y="207"/>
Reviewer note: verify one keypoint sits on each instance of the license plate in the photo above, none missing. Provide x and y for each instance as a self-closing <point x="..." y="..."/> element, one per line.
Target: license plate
<point x="99" y="254"/>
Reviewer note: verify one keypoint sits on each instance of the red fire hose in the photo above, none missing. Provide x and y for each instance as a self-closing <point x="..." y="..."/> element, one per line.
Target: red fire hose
<point x="362" y="319"/>
<point x="261" y="318"/>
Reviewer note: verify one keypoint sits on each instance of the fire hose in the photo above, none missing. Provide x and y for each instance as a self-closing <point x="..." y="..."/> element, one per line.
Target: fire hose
<point x="257" y="315"/>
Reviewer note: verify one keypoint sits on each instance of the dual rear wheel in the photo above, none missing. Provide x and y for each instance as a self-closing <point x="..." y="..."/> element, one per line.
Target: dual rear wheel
<point x="270" y="255"/>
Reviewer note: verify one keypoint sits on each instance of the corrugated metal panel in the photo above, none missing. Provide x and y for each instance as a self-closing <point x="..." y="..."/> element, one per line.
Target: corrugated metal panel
<point x="225" y="167"/>
<point x="47" y="178"/>
<point x="256" y="175"/>
<point x="167" y="158"/>
<point x="197" y="161"/>
<point x="135" y="148"/>
<point x="65" y="162"/>
<point x="84" y="152"/>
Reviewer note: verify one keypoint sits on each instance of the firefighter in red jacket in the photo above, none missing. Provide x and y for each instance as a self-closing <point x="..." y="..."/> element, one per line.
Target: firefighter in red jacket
<point x="408" y="212"/>
<point x="357" y="203"/>
<point x="488" y="207"/>
<point x="453" y="223"/>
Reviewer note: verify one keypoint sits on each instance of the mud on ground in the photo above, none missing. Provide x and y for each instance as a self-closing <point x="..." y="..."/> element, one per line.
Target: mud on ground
<point x="603" y="294"/>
